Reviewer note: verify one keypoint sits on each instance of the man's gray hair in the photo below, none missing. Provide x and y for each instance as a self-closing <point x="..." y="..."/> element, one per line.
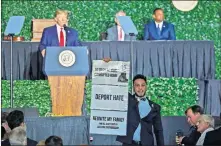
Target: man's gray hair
<point x="208" y="119"/>
<point x="18" y="136"/>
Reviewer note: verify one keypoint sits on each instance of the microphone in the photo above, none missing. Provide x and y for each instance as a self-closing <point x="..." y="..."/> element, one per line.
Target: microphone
<point x="66" y="32"/>
<point x="179" y="134"/>
<point x="65" y="27"/>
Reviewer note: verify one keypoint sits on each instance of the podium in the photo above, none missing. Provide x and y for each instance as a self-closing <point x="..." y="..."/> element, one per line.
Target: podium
<point x="66" y="69"/>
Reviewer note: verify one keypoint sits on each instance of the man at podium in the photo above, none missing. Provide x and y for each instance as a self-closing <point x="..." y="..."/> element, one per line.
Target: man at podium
<point x="116" y="33"/>
<point x="59" y="34"/>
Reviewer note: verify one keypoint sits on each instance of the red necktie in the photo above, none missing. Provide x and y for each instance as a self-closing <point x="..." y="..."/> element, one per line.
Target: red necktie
<point x="61" y="38"/>
<point x="120" y="35"/>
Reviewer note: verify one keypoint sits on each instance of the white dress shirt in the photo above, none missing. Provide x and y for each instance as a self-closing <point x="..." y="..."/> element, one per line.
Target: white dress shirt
<point x="160" y="25"/>
<point x="58" y="32"/>
<point x="123" y="34"/>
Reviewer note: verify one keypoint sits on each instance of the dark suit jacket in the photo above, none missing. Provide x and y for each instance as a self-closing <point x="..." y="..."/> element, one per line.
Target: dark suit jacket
<point x="112" y="34"/>
<point x="167" y="32"/>
<point x="213" y="138"/>
<point x="192" y="139"/>
<point x="29" y="142"/>
<point x="152" y="119"/>
<point x="50" y="37"/>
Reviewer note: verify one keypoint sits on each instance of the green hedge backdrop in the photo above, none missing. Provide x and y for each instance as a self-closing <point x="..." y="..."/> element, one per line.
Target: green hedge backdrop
<point x="28" y="93"/>
<point x="92" y="17"/>
<point x="173" y="94"/>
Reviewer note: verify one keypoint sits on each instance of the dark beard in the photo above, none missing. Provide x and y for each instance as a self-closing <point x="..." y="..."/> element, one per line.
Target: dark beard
<point x="140" y="96"/>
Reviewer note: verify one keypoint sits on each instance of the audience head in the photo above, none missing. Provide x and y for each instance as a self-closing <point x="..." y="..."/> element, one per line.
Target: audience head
<point x="158" y="15"/>
<point x="53" y="141"/>
<point x="139" y="83"/>
<point x="18" y="136"/>
<point x="61" y="17"/>
<point x="204" y="122"/>
<point x="120" y="13"/>
<point x="193" y="113"/>
<point x="15" y="119"/>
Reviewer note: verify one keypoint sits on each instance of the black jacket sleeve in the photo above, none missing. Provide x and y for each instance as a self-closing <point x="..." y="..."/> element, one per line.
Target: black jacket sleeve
<point x="192" y="138"/>
<point x="158" y="128"/>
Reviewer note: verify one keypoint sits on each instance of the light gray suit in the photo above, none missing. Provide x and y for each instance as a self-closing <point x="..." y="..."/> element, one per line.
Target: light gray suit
<point x="112" y="34"/>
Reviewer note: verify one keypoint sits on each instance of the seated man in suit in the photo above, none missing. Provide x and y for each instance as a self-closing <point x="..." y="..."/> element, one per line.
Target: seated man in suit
<point x="192" y="113"/>
<point x="116" y="33"/>
<point x="159" y="29"/>
<point x="143" y="114"/>
<point x="59" y="34"/>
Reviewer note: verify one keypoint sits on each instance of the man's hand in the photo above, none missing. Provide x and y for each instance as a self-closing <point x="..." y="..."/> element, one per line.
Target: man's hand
<point x="106" y="59"/>
<point x="179" y="139"/>
<point x="43" y="53"/>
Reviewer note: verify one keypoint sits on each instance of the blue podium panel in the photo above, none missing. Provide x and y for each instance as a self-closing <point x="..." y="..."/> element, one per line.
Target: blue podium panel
<point x="60" y="61"/>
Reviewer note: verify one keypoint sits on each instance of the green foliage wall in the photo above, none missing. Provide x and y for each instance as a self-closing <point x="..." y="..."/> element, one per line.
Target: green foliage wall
<point x="28" y="93"/>
<point x="92" y="17"/>
<point x="176" y="94"/>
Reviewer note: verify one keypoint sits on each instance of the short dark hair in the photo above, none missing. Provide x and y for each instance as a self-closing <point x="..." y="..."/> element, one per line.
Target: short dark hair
<point x="195" y="109"/>
<point x="139" y="76"/>
<point x="154" y="11"/>
<point x="53" y="141"/>
<point x="15" y="118"/>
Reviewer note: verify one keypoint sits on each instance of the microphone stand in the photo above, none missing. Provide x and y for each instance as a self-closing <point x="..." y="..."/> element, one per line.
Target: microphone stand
<point x="132" y="60"/>
<point x="11" y="69"/>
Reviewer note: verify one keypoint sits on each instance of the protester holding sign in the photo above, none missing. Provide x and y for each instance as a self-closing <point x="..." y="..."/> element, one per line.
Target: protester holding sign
<point x="142" y="115"/>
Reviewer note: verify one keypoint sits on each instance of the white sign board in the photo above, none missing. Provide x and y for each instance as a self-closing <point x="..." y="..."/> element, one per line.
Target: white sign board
<point x="109" y="97"/>
<point x="108" y="122"/>
<point x="111" y="73"/>
<point x="109" y="101"/>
